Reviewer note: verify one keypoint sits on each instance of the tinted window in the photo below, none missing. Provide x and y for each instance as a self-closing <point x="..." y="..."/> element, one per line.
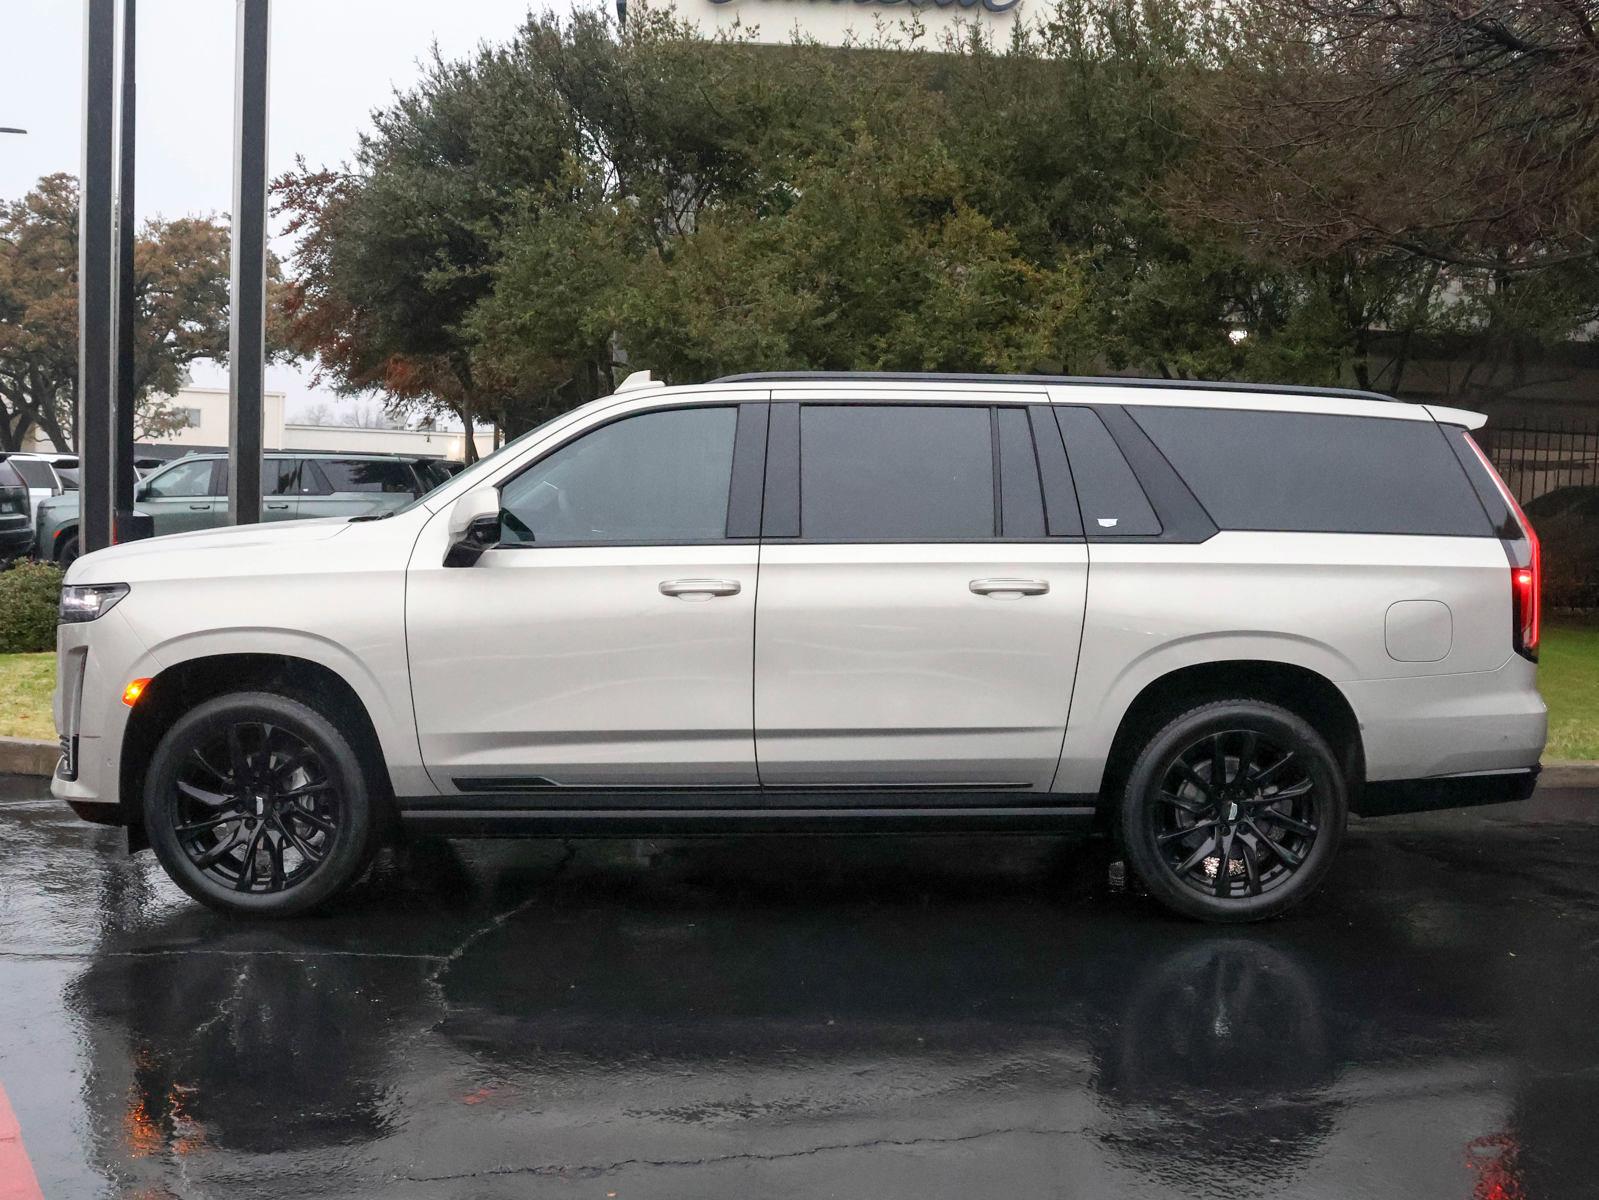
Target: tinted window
<point x="279" y="477"/>
<point x="367" y="475"/>
<point x="1021" y="497"/>
<point x="896" y="472"/>
<point x="9" y="476"/>
<point x="68" y="477"/>
<point x="186" y="479"/>
<point x="660" y="478"/>
<point x="34" y="473"/>
<point x="1113" y="503"/>
<point x="1307" y="472"/>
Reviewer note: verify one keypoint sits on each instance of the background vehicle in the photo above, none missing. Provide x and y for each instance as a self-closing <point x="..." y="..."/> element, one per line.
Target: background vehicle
<point x="192" y="493"/>
<point x="16" y="530"/>
<point x="41" y="478"/>
<point x="836" y="604"/>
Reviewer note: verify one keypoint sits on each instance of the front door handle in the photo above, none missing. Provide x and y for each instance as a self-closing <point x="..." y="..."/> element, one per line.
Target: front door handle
<point x="200" y="507"/>
<point x="277" y="507"/>
<point x="699" y="589"/>
<point x="1007" y="589"/>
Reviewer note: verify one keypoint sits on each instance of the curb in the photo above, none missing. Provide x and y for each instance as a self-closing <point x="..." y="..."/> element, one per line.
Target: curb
<point x="1569" y="773"/>
<point x="27" y="756"/>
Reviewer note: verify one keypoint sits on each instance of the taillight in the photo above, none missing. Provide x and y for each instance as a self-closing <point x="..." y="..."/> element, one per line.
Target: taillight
<point x="1526" y="570"/>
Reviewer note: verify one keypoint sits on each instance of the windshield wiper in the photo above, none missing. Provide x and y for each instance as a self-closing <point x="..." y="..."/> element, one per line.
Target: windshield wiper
<point x="382" y="516"/>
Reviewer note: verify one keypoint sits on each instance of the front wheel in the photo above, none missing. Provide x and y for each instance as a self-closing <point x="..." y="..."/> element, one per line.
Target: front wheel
<point x="256" y="804"/>
<point x="69" y="552"/>
<point x="1233" y="811"/>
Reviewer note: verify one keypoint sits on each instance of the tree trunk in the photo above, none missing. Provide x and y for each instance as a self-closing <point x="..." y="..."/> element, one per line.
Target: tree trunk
<point x="469" y="447"/>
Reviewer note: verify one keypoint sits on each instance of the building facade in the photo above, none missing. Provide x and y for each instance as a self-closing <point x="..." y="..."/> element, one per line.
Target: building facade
<point x="206" y="428"/>
<point x="848" y="22"/>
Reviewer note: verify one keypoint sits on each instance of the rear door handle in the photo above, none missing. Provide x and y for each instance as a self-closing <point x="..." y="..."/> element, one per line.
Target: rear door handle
<point x="277" y="506"/>
<point x="200" y="507"/>
<point x="1009" y="588"/>
<point x="699" y="589"/>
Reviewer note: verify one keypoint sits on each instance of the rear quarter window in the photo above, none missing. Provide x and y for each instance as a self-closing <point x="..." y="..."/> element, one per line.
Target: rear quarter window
<point x="35" y="474"/>
<point x="368" y="475"/>
<point x="1314" y="473"/>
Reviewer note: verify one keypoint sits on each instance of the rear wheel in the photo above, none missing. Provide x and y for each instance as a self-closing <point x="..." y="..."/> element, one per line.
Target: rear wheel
<point x="1233" y="811"/>
<point x="255" y="803"/>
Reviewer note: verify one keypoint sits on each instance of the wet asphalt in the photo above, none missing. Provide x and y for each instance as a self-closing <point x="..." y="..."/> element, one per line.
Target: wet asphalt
<point x="934" y="1017"/>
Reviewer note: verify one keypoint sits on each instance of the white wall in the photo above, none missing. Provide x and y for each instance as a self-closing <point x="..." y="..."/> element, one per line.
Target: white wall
<point x="836" y="22"/>
<point x="441" y="443"/>
<point x="211" y="404"/>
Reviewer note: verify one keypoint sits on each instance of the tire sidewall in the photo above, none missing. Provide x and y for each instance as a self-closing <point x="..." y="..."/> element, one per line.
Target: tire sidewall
<point x="351" y="844"/>
<point x="69" y="553"/>
<point x="1290" y="731"/>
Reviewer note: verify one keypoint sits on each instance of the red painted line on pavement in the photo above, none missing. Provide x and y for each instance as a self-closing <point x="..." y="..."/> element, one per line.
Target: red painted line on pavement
<point x="17" y="1180"/>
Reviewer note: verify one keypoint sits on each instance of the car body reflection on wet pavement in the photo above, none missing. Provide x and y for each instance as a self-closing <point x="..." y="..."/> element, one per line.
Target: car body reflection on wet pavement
<point x="784" y="1017"/>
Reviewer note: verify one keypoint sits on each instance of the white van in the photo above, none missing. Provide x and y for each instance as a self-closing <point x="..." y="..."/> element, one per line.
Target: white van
<point x="1208" y="620"/>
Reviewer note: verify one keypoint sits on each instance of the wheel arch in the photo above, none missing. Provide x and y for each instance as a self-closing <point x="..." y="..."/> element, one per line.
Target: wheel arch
<point x="1301" y="690"/>
<point x="178" y="688"/>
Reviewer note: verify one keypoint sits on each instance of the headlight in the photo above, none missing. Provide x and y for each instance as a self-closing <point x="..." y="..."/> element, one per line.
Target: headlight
<point x="86" y="601"/>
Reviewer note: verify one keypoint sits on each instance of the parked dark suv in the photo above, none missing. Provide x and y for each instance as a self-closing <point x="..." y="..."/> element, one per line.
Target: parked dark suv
<point x="16" y="530"/>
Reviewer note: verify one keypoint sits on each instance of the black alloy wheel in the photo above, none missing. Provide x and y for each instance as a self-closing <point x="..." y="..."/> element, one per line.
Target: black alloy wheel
<point x="1233" y="811"/>
<point x="257" y="803"/>
<point x="267" y="819"/>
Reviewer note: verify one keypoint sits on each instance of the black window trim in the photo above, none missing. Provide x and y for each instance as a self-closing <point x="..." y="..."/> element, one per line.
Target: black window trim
<point x="750" y="444"/>
<point x="781" y="512"/>
<point x="1183" y="520"/>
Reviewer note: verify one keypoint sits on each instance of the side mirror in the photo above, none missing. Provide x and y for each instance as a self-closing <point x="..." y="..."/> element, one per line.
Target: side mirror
<point x="474" y="526"/>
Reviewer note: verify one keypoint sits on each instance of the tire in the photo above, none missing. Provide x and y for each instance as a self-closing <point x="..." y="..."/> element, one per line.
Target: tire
<point x="1254" y="846"/>
<point x="257" y="805"/>
<point x="69" y="552"/>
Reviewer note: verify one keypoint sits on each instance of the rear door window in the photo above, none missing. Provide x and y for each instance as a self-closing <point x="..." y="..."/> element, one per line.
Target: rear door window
<point x="282" y="477"/>
<point x="1112" y="500"/>
<point x="1316" y="473"/>
<point x="896" y="472"/>
<point x="1021" y="496"/>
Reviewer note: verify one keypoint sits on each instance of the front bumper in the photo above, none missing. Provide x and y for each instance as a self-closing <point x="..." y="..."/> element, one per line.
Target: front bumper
<point x="16" y="543"/>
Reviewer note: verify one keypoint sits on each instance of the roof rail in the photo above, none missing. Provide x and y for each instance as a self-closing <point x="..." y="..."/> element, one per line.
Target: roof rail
<point x="1133" y="381"/>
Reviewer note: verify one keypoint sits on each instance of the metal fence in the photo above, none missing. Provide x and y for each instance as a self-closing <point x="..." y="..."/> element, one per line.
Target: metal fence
<point x="1537" y="457"/>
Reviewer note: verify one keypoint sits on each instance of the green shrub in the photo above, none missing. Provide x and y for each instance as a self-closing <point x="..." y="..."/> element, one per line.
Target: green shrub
<point x="30" y="593"/>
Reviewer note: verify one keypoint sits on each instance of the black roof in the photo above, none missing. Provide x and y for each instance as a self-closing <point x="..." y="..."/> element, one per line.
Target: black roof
<point x="1270" y="389"/>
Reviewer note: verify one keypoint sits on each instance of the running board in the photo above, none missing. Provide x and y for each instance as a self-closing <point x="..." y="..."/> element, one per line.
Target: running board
<point x="717" y="822"/>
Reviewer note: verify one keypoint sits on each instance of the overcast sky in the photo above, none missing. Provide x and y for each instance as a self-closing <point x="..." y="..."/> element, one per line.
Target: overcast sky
<point x="333" y="61"/>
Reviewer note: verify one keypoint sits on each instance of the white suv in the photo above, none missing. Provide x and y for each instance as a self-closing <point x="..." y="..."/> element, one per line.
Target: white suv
<point x="1207" y="619"/>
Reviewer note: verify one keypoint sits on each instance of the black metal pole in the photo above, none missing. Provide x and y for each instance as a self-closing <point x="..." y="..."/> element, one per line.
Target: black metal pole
<point x="95" y="258"/>
<point x="247" y="336"/>
<point x="122" y="456"/>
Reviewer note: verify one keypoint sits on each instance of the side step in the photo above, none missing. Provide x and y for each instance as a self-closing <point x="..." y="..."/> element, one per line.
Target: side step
<point x="718" y="822"/>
